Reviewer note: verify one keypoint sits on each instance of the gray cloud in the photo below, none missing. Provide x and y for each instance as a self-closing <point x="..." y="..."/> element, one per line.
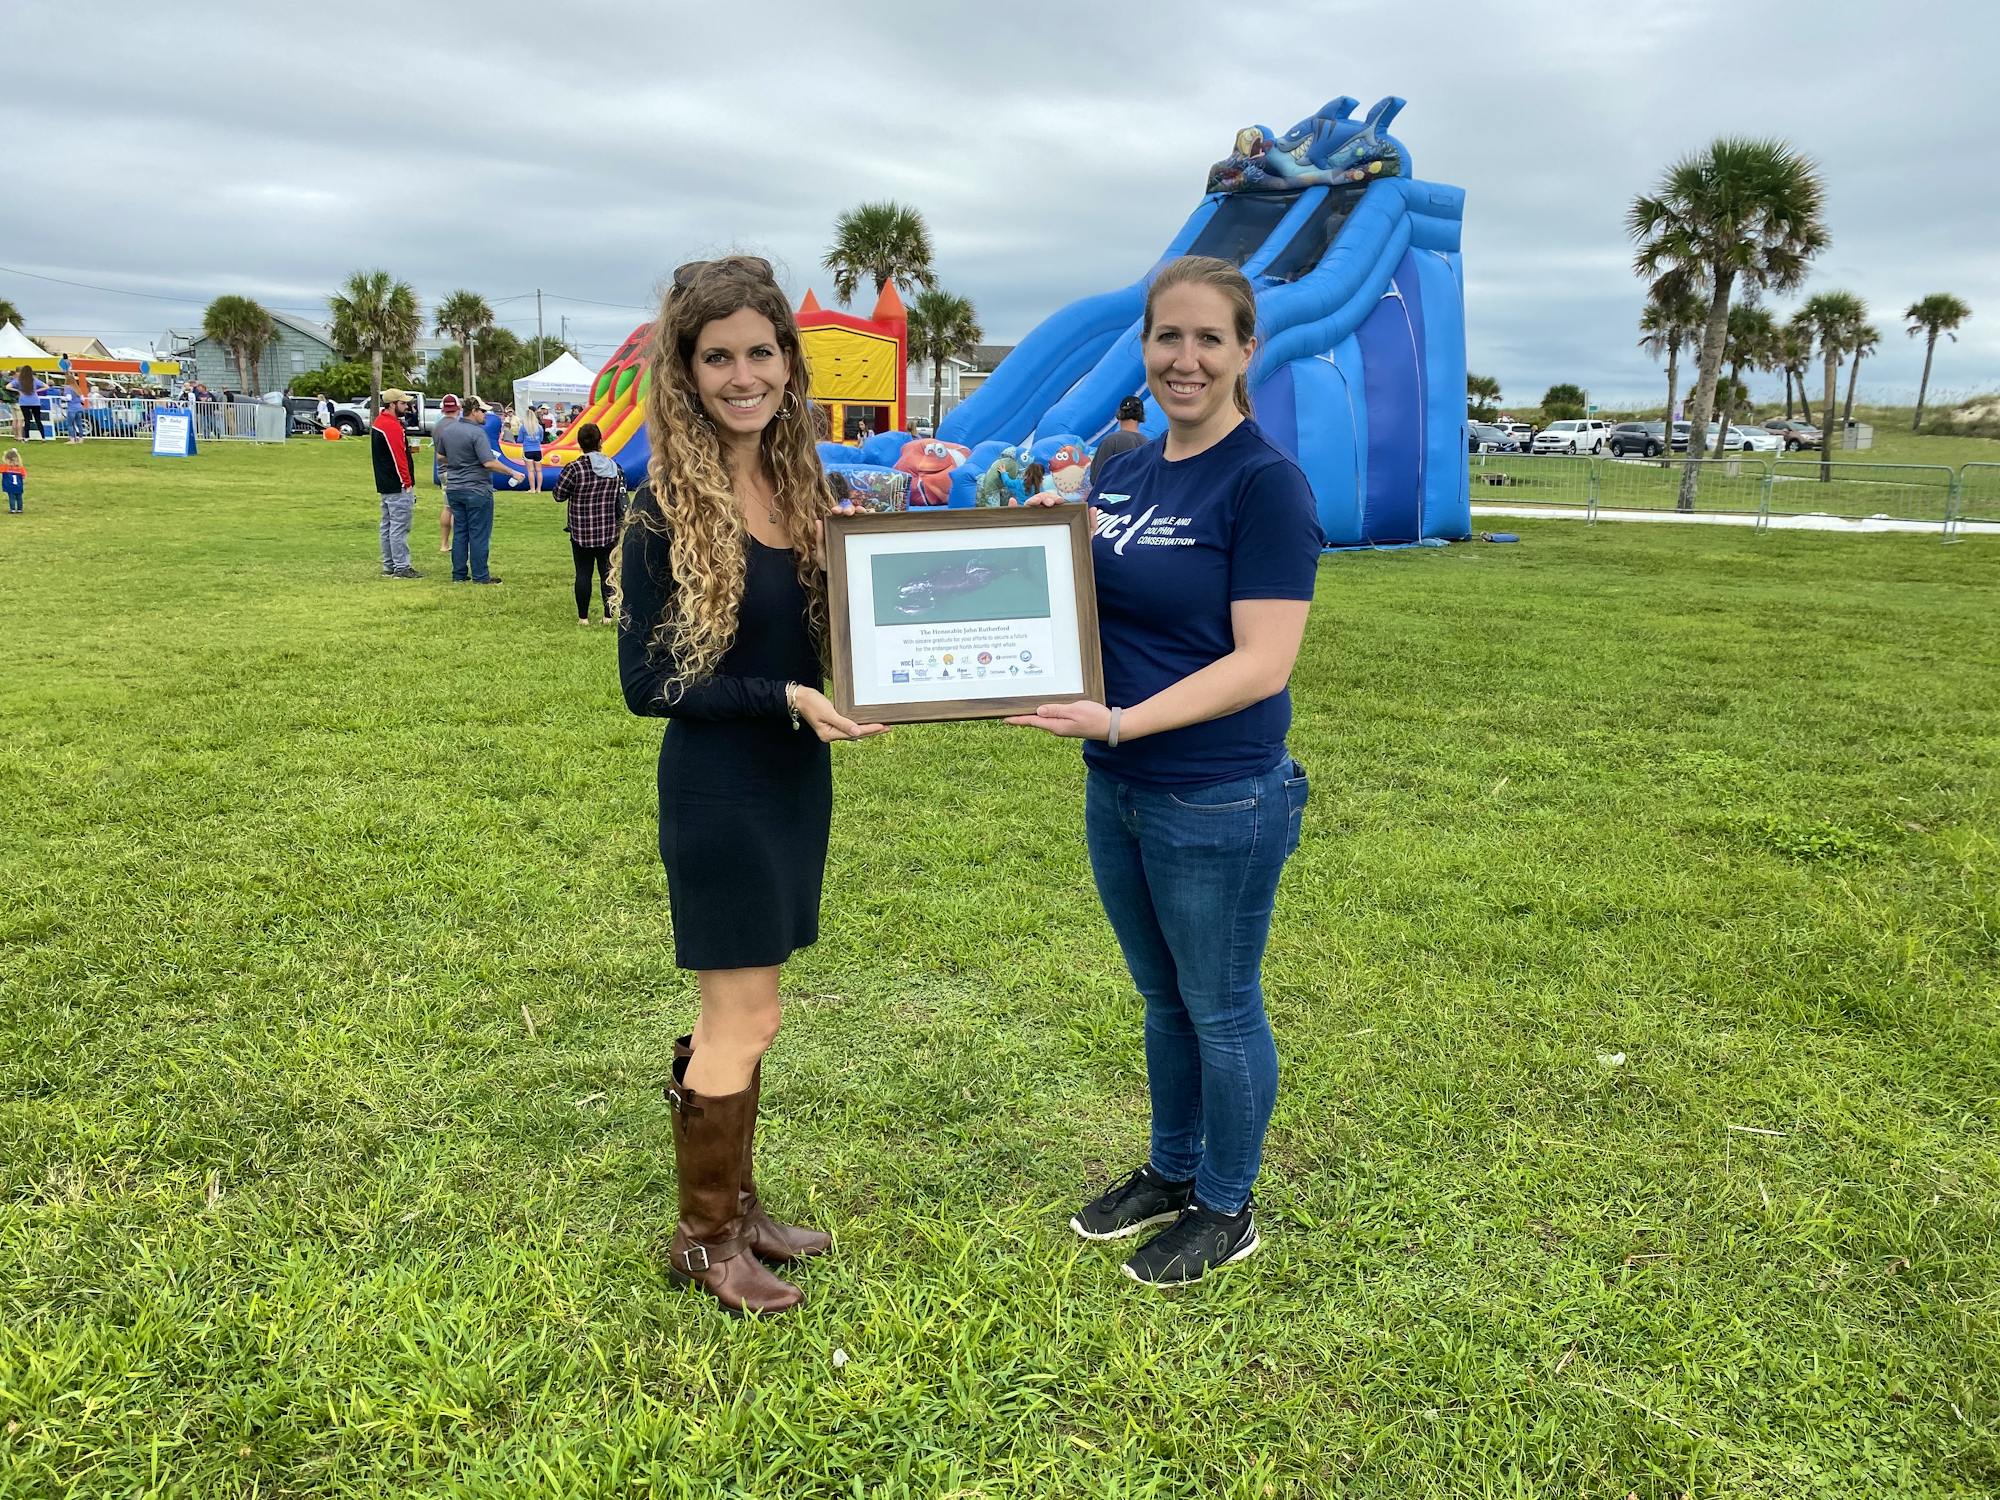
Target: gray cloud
<point x="1054" y="149"/>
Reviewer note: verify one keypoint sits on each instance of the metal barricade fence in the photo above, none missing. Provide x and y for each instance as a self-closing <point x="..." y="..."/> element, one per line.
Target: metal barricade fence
<point x="1531" y="479"/>
<point x="1736" y="485"/>
<point x="1978" y="494"/>
<point x="1864" y="491"/>
<point x="132" y="418"/>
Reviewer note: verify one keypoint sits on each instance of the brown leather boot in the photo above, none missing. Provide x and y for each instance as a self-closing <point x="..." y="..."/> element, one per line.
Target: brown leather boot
<point x="781" y="1244"/>
<point x="710" y="1242"/>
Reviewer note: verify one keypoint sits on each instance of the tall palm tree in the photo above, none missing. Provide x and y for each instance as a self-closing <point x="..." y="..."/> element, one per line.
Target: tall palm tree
<point x="243" y="328"/>
<point x="376" y="315"/>
<point x="884" y="241"/>
<point x="1742" y="211"/>
<point x="1795" y="352"/>
<point x="1752" y="345"/>
<point x="1833" y="317"/>
<point x="9" y="313"/>
<point x="1483" y="392"/>
<point x="1865" y="341"/>
<point x="1936" y="314"/>
<point x="942" y="326"/>
<point x="464" y="316"/>
<point x="1670" y="322"/>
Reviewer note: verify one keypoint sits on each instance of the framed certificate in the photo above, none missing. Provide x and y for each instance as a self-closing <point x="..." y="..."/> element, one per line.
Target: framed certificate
<point x="966" y="614"/>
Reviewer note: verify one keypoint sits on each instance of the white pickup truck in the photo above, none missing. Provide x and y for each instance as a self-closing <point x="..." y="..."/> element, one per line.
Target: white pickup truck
<point x="356" y="417"/>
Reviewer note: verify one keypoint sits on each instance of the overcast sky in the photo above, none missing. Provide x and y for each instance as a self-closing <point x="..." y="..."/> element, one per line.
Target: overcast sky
<point x="1054" y="148"/>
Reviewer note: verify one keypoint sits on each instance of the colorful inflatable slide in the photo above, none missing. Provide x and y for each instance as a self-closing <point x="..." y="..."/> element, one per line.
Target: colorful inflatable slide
<point x="1361" y="317"/>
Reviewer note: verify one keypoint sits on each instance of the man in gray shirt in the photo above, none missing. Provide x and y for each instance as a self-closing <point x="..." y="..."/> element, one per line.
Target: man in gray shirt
<point x="466" y="457"/>
<point x="1125" y="437"/>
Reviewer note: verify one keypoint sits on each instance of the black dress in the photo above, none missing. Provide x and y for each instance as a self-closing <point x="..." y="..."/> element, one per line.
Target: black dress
<point x="745" y="799"/>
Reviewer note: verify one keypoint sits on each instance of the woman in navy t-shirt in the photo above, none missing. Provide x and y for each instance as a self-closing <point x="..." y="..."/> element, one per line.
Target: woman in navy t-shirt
<point x="1206" y="543"/>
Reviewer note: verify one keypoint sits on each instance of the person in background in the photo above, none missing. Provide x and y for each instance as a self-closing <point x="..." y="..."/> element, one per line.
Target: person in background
<point x="529" y="436"/>
<point x="593" y="487"/>
<point x="76" y="408"/>
<point x="395" y="480"/>
<point x="13" y="481"/>
<point x="1121" y="439"/>
<point x="1205" y="549"/>
<point x="33" y="399"/>
<point x="448" y="409"/>
<point x="324" y="410"/>
<point x="468" y="457"/>
<point x="494" y="422"/>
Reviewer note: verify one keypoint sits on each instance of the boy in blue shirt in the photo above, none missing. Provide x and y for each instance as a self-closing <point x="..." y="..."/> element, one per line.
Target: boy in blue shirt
<point x="13" y="481"/>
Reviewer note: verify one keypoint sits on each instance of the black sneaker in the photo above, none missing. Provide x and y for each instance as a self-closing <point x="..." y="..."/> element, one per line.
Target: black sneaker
<point x="486" y="580"/>
<point x="1135" y="1202"/>
<point x="1193" y="1245"/>
<point x="406" y="573"/>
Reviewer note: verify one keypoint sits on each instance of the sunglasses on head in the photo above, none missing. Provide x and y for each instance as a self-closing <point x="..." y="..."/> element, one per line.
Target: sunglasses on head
<point x="684" y="275"/>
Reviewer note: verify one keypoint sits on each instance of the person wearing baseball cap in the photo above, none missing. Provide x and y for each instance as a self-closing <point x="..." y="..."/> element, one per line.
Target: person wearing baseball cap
<point x="1121" y="439"/>
<point x="395" y="481"/>
<point x="467" y="456"/>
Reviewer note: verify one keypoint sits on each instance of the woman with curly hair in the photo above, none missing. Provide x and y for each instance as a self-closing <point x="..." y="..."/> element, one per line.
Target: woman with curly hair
<point x="723" y="632"/>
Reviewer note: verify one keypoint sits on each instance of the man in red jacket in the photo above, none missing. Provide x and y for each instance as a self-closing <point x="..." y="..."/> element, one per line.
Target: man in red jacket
<point x="395" y="481"/>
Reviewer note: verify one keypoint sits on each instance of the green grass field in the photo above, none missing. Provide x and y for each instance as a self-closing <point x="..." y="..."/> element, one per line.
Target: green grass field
<point x="1635" y="985"/>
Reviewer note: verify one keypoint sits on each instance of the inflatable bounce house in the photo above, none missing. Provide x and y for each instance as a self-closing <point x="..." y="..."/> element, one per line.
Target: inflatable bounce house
<point x="859" y="370"/>
<point x="1360" y="371"/>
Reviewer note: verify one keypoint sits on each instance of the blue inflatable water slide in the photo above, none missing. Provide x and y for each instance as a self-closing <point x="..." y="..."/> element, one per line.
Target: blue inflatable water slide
<point x="1360" y="370"/>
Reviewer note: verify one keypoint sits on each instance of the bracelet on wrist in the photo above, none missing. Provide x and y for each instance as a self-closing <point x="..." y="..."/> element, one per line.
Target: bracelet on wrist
<point x="1111" y="739"/>
<point x="792" y="702"/>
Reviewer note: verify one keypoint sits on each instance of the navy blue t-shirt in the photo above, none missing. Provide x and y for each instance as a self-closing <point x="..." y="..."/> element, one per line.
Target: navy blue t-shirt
<point x="1176" y="544"/>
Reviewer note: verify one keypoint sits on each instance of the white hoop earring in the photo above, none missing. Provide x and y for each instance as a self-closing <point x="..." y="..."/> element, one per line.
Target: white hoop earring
<point x="790" y="407"/>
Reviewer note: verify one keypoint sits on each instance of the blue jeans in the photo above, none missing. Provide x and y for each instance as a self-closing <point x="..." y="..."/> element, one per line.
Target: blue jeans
<point x="1188" y="879"/>
<point x="471" y="531"/>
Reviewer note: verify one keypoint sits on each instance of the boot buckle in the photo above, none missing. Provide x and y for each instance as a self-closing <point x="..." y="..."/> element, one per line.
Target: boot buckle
<point x="681" y="1103"/>
<point x="687" y="1258"/>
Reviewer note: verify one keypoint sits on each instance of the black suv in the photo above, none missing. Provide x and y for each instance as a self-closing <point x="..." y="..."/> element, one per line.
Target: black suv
<point x="1647" y="439"/>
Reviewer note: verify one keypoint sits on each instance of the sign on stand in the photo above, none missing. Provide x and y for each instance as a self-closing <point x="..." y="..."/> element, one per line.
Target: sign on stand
<point x="173" y="433"/>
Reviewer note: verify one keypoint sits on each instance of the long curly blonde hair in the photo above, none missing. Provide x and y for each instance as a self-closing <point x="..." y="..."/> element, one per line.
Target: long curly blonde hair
<point x="697" y="512"/>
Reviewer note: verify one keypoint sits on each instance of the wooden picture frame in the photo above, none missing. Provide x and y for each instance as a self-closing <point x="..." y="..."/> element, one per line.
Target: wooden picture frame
<point x="962" y="614"/>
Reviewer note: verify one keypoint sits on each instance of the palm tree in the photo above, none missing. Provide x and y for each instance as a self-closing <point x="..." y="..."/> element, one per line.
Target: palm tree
<point x="942" y="326"/>
<point x="9" y="313"/>
<point x="1670" y="321"/>
<point x="375" y="314"/>
<point x="243" y="328"/>
<point x="884" y="241"/>
<point x="1937" y="314"/>
<point x="464" y="316"/>
<point x="1743" y="210"/>
<point x="1752" y="344"/>
<point x="1833" y="317"/>
<point x="1483" y="391"/>
<point x="1865" y="341"/>
<point x="1795" y="352"/>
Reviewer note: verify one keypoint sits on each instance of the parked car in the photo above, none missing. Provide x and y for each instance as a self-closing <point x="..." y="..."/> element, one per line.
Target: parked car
<point x="1484" y="437"/>
<point x="1751" y="440"/>
<point x="1579" y="436"/>
<point x="1795" y="435"/>
<point x="1521" y="432"/>
<point x="1647" y="439"/>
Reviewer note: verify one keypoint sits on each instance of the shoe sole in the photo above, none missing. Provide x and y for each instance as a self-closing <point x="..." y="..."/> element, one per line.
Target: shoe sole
<point x="1244" y="1254"/>
<point x="1129" y="1230"/>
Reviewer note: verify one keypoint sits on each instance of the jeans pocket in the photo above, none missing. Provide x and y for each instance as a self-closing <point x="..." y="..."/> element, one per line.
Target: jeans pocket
<point x="1223" y="797"/>
<point x="1298" y="792"/>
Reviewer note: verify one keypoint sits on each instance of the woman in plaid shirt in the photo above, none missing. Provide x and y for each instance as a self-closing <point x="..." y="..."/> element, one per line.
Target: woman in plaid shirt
<point x="593" y="487"/>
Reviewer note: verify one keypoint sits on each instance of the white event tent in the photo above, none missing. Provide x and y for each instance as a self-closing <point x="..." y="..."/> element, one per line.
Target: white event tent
<point x="568" y="380"/>
<point x="15" y="344"/>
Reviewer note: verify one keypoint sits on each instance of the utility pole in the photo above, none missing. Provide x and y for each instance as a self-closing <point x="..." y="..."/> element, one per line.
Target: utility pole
<point x="563" y="337"/>
<point x="538" y="322"/>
